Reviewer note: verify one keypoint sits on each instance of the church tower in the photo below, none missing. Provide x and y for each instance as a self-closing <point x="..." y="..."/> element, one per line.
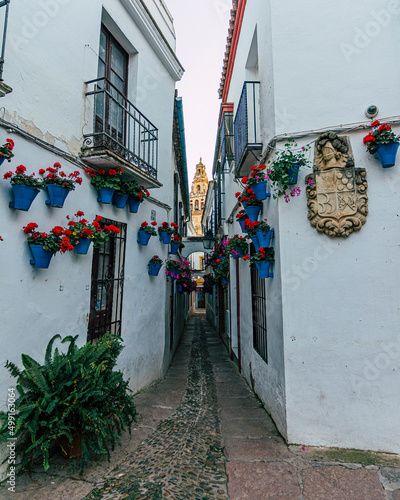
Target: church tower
<point x="198" y="196"/>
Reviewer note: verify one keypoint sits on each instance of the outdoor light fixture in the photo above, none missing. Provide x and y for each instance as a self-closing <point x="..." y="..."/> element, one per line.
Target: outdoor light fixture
<point x="208" y="240"/>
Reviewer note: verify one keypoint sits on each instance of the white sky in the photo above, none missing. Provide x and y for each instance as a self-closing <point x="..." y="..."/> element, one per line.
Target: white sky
<point x="201" y="28"/>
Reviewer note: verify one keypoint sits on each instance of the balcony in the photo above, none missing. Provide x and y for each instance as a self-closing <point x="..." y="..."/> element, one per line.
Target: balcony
<point x="247" y="128"/>
<point x="120" y="136"/>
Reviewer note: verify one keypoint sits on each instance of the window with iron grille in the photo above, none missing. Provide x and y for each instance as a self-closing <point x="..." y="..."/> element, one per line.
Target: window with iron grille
<point x="107" y="285"/>
<point x="258" y="304"/>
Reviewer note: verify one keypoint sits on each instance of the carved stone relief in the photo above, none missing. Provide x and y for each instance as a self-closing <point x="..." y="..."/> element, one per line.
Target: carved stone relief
<point x="336" y="190"/>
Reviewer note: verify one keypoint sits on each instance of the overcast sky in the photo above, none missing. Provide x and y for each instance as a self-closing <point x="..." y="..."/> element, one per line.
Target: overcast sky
<point x="201" y="28"/>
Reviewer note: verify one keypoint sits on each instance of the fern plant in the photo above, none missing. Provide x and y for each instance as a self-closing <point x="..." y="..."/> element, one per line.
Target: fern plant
<point x="73" y="393"/>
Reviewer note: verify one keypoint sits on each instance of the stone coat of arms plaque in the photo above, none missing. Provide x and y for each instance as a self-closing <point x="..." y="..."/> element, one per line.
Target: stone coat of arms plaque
<point x="336" y="190"/>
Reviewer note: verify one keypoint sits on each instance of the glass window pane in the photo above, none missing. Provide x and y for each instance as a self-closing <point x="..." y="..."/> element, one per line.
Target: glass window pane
<point x="118" y="62"/>
<point x="103" y="46"/>
<point x="101" y="71"/>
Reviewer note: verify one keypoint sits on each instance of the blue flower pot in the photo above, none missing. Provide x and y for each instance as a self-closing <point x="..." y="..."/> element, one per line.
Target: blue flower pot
<point x="174" y="248"/>
<point x="165" y="237"/>
<point x="57" y="195"/>
<point x="224" y="281"/>
<point x="119" y="201"/>
<point x="23" y="196"/>
<point x="154" y="269"/>
<point x="263" y="269"/>
<point x="83" y="246"/>
<point x="255" y="241"/>
<point x="133" y="205"/>
<point x="2" y="158"/>
<point x="253" y="212"/>
<point x="264" y="238"/>
<point x="143" y="237"/>
<point x="105" y="195"/>
<point x="293" y="172"/>
<point x="387" y="154"/>
<point x="241" y="223"/>
<point x="260" y="190"/>
<point x="236" y="254"/>
<point x="41" y="257"/>
<point x="180" y="288"/>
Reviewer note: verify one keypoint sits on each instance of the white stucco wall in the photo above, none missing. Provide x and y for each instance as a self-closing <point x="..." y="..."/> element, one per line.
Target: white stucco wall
<point x="50" y="53"/>
<point x="334" y="344"/>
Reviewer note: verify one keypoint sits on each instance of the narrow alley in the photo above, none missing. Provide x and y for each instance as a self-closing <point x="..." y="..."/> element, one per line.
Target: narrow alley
<point x="203" y="434"/>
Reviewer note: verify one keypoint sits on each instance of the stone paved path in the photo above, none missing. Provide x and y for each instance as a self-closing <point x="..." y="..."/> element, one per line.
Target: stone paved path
<point x="204" y="435"/>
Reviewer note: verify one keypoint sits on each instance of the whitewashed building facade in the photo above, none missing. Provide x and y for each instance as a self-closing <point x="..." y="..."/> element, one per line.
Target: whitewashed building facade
<point x="86" y="77"/>
<point x="324" y="354"/>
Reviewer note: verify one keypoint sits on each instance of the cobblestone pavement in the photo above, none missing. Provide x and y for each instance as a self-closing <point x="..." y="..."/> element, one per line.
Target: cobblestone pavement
<point x="204" y="435"/>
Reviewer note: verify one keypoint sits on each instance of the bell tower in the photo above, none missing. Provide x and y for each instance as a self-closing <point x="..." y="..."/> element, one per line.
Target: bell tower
<point x="198" y="196"/>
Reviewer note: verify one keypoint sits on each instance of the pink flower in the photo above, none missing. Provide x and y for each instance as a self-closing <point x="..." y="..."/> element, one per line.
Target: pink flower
<point x="310" y="181"/>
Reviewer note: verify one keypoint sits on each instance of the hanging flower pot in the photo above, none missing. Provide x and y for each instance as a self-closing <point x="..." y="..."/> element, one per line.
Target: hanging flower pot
<point x="165" y="237"/>
<point x="264" y="237"/>
<point x="224" y="281"/>
<point x="174" y="247"/>
<point x="57" y="195"/>
<point x="143" y="237"/>
<point x="105" y="195"/>
<point x="241" y="223"/>
<point x="387" y="154"/>
<point x="83" y="246"/>
<point x="263" y="269"/>
<point x="41" y="257"/>
<point x="256" y="243"/>
<point x="133" y="204"/>
<point x="154" y="269"/>
<point x="260" y="190"/>
<point x="180" y="288"/>
<point x="119" y="201"/>
<point x="293" y="173"/>
<point x="237" y="253"/>
<point x="253" y="212"/>
<point x="23" y="196"/>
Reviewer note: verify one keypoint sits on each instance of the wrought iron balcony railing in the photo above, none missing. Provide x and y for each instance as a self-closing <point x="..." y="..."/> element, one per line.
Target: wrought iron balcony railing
<point x="227" y="138"/>
<point x="247" y="124"/>
<point x="118" y="126"/>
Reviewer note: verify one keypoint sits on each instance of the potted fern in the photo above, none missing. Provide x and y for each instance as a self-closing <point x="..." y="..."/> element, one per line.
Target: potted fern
<point x="75" y="398"/>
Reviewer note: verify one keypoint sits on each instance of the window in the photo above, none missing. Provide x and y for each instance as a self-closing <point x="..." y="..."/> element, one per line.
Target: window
<point x="202" y="205"/>
<point x="110" y="105"/>
<point x="107" y="285"/>
<point x="258" y="302"/>
<point x="196" y="205"/>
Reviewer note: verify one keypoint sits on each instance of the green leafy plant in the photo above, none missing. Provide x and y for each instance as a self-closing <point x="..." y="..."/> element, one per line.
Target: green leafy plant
<point x="165" y="228"/>
<point x="21" y="178"/>
<point x="59" y="177"/>
<point x="133" y="189"/>
<point x="209" y="282"/>
<point x="149" y="228"/>
<point x="55" y="241"/>
<point x="248" y="198"/>
<point x="6" y="150"/>
<point x="381" y="133"/>
<point x="76" y="393"/>
<point x="263" y="255"/>
<point x="82" y="229"/>
<point x="155" y="260"/>
<point x="278" y="171"/>
<point x="257" y="175"/>
<point x="237" y="243"/>
<point x="105" y="178"/>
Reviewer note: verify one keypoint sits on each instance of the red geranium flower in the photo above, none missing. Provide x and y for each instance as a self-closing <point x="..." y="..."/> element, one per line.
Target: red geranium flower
<point x="375" y="123"/>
